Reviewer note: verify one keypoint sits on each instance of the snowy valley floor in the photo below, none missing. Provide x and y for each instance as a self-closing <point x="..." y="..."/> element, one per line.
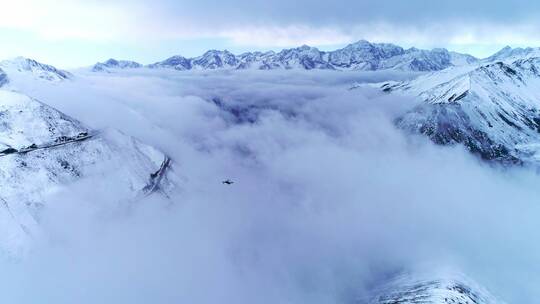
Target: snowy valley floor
<point x="329" y="198"/>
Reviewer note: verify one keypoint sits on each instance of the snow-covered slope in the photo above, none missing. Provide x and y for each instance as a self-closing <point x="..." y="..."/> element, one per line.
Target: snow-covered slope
<point x="29" y="68"/>
<point x="112" y="64"/>
<point x="432" y="289"/>
<point x="361" y="55"/>
<point x="175" y="62"/>
<point x="214" y="59"/>
<point x="25" y="121"/>
<point x="508" y="54"/>
<point x="42" y="150"/>
<point x="370" y="56"/>
<point x="304" y="57"/>
<point x="493" y="109"/>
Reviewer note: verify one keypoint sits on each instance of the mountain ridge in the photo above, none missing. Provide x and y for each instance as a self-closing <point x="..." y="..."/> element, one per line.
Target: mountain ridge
<point x="361" y="55"/>
<point x="38" y="70"/>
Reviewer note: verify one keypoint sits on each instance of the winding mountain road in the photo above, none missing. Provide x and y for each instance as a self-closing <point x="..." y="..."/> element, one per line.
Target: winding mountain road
<point x="51" y="145"/>
<point x="156" y="177"/>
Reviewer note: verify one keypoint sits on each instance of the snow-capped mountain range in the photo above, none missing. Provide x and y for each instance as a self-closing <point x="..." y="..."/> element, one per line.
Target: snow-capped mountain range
<point x="489" y="105"/>
<point x="362" y="55"/>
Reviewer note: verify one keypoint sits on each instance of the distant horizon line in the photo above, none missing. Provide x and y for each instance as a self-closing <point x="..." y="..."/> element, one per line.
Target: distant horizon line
<point x="275" y="50"/>
<point x="279" y="49"/>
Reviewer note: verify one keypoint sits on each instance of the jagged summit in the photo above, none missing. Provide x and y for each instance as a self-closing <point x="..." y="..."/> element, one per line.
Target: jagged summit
<point x="504" y="52"/>
<point x="215" y="59"/>
<point x="115" y="64"/>
<point x="175" y="62"/>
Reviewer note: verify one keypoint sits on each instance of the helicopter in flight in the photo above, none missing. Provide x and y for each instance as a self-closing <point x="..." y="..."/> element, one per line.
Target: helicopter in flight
<point x="227" y="182"/>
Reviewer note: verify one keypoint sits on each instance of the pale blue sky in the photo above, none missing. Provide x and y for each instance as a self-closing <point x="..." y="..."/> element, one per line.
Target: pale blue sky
<point x="72" y="33"/>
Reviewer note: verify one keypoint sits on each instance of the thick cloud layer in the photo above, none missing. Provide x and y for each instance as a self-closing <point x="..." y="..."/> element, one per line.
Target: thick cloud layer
<point x="328" y="199"/>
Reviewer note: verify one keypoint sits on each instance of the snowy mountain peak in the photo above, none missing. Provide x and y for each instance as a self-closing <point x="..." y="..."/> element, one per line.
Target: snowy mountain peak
<point x="31" y="68"/>
<point x="359" y="43"/>
<point x="305" y="47"/>
<point x="176" y="62"/>
<point x="215" y="59"/>
<point x="363" y="44"/>
<point x="217" y="53"/>
<point x="509" y="54"/>
<point x="491" y="109"/>
<point x="115" y="64"/>
<point x="505" y="52"/>
<point x="433" y="289"/>
<point x="27" y="121"/>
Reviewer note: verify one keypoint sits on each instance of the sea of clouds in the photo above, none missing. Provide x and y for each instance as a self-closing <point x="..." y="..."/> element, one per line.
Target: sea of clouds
<point x="329" y="197"/>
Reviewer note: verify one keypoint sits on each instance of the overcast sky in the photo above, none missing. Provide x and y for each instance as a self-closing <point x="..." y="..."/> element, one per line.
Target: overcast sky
<point x="72" y="33"/>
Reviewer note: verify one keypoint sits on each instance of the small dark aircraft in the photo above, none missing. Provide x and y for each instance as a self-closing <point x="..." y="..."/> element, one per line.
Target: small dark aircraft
<point x="228" y="182"/>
